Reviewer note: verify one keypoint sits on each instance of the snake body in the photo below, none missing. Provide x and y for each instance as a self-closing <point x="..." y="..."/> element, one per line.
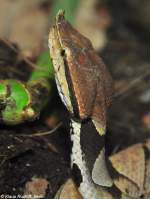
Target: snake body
<point x="87" y="188"/>
<point x="85" y="87"/>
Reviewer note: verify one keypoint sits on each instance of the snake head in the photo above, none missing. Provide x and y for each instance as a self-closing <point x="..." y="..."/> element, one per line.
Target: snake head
<point x="82" y="79"/>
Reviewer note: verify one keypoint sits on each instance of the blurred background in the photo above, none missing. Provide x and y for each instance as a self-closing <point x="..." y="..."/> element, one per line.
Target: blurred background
<point x="119" y="31"/>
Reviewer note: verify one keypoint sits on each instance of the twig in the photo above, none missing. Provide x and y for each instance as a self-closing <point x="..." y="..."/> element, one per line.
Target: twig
<point x="42" y="133"/>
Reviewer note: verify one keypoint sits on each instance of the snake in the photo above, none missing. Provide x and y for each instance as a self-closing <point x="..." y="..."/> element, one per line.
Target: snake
<point x="85" y="87"/>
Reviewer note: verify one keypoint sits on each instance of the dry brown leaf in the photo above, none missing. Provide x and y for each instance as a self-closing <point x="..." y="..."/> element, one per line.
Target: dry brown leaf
<point x="37" y="187"/>
<point x="68" y="191"/>
<point x="131" y="164"/>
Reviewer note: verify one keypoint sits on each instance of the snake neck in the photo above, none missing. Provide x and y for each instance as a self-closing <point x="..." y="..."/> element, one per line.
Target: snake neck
<point x="87" y="188"/>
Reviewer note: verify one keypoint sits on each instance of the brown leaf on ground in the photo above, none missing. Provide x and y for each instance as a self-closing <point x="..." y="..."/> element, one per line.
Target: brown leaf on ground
<point x="68" y="191"/>
<point x="130" y="163"/>
<point x="36" y="188"/>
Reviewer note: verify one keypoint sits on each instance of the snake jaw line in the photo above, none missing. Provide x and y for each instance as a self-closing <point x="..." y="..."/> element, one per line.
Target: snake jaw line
<point x="58" y="60"/>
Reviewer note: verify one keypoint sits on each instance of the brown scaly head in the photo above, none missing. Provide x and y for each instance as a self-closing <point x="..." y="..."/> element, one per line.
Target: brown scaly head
<point x="83" y="81"/>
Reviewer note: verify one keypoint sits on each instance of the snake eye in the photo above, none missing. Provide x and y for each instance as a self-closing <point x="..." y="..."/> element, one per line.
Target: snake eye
<point x="62" y="52"/>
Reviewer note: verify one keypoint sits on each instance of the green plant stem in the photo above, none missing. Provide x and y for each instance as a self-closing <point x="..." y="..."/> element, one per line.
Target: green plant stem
<point x="44" y="64"/>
